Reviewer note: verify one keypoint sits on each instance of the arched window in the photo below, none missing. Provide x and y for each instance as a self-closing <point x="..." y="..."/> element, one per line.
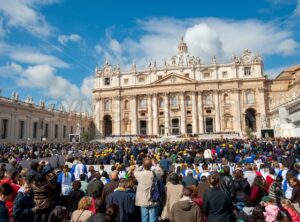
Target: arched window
<point x="161" y="103"/>
<point x="107" y="105"/>
<point x="226" y="99"/>
<point x="208" y="99"/>
<point x="126" y="105"/>
<point x="142" y="103"/>
<point x="188" y="101"/>
<point x="250" y="97"/>
<point x="173" y="100"/>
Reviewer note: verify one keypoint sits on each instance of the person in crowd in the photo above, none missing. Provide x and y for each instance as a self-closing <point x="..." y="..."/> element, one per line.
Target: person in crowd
<point x="43" y="186"/>
<point x="249" y="174"/>
<point x="65" y="180"/>
<point x="226" y="180"/>
<point x="217" y="204"/>
<point x="145" y="177"/>
<point x="6" y="190"/>
<point x="295" y="198"/>
<point x="95" y="184"/>
<point x="240" y="189"/>
<point x="58" y="214"/>
<point x="271" y="209"/>
<point x="124" y="201"/>
<point x="74" y="196"/>
<point x="165" y="164"/>
<point x="275" y="190"/>
<point x="83" y="183"/>
<point x="82" y="213"/>
<point x="185" y="209"/>
<point x="23" y="206"/>
<point x="99" y="216"/>
<point x="246" y="213"/>
<point x="257" y="215"/>
<point x="202" y="187"/>
<point x="173" y="193"/>
<point x="79" y="169"/>
<point x="258" y="189"/>
<point x="189" y="180"/>
<point x="12" y="178"/>
<point x="91" y="172"/>
<point x="111" y="213"/>
<point x="288" y="206"/>
<point x="110" y="187"/>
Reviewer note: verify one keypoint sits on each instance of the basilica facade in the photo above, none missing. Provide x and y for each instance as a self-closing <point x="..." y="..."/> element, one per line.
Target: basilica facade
<point x="182" y="96"/>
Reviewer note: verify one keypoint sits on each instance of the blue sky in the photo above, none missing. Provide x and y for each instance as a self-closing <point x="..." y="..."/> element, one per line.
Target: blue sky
<point x="49" y="48"/>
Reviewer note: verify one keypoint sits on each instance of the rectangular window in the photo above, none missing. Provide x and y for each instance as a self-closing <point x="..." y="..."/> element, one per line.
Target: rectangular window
<point x="35" y="127"/>
<point x="247" y="71"/>
<point x="4" y="129"/>
<point x="106" y="81"/>
<point x="224" y="74"/>
<point x="64" y="131"/>
<point x="159" y="77"/>
<point x="187" y="75"/>
<point x="46" y="130"/>
<point x="71" y="130"/>
<point x="21" y="129"/>
<point x="206" y="75"/>
<point x="55" y="131"/>
<point x="141" y="79"/>
<point x="126" y="81"/>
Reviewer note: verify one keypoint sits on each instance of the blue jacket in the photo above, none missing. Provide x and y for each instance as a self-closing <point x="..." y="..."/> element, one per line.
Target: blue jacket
<point x="3" y="212"/>
<point x="22" y="209"/>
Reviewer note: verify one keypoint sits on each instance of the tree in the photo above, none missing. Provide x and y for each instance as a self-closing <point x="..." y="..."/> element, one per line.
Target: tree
<point x="249" y="133"/>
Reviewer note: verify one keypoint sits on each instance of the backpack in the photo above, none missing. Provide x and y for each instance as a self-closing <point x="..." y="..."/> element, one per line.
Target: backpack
<point x="157" y="189"/>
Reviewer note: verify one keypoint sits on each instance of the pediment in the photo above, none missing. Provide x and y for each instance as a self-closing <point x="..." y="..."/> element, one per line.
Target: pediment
<point x="173" y="78"/>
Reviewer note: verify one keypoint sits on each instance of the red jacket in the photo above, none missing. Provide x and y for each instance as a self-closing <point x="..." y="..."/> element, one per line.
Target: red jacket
<point x="9" y="203"/>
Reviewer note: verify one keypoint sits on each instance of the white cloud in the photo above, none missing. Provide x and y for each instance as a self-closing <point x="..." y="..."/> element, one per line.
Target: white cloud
<point x="36" y="58"/>
<point x="64" y="39"/>
<point x="297" y="10"/>
<point x="20" y="13"/>
<point x="272" y="73"/>
<point x="205" y="37"/>
<point x="87" y="86"/>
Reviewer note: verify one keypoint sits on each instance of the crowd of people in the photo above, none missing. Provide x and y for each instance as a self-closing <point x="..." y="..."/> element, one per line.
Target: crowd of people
<point x="193" y="180"/>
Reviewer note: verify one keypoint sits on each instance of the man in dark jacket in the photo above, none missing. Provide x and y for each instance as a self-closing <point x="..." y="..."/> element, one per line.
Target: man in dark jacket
<point x="226" y="180"/>
<point x="109" y="187"/>
<point x="124" y="200"/>
<point x="23" y="208"/>
<point x="216" y="203"/>
<point x="185" y="209"/>
<point x="95" y="185"/>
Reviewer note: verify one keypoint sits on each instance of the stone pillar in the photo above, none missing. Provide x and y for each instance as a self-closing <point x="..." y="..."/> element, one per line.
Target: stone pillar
<point x="155" y="114"/>
<point x="237" y="112"/>
<point x="200" y="113"/>
<point x="116" y="111"/>
<point x="182" y="113"/>
<point x="217" y="111"/>
<point x="150" y="115"/>
<point x="97" y="117"/>
<point x="194" y="113"/>
<point x="166" y="114"/>
<point x="133" y="115"/>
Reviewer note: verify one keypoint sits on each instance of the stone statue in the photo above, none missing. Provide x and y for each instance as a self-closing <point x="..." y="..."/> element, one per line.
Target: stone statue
<point x="173" y="60"/>
<point x="13" y="95"/>
<point x="42" y="104"/>
<point x="180" y="60"/>
<point x="264" y="121"/>
<point x="78" y="128"/>
<point x="214" y="60"/>
<point x="133" y="66"/>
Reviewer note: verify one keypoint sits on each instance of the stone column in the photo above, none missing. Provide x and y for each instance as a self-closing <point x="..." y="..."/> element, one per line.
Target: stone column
<point x="155" y="114"/>
<point x="166" y="114"/>
<point x="237" y="111"/>
<point x="133" y="115"/>
<point x="182" y="113"/>
<point x="217" y="111"/>
<point x="150" y="115"/>
<point x="97" y="117"/>
<point x="200" y="112"/>
<point x="194" y="113"/>
<point x="116" y="111"/>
